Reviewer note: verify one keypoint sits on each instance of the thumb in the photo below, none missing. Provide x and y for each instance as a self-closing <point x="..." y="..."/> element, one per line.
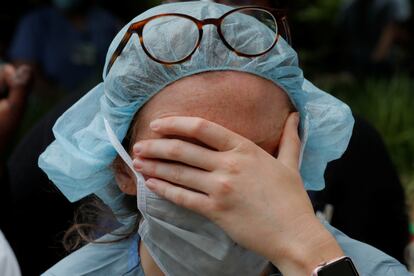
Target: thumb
<point x="289" y="148"/>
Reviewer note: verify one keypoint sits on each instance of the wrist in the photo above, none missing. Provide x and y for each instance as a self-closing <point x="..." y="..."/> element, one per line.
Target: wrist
<point x="310" y="245"/>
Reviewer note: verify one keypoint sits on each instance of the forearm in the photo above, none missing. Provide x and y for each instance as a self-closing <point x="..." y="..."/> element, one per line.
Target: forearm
<point x="321" y="242"/>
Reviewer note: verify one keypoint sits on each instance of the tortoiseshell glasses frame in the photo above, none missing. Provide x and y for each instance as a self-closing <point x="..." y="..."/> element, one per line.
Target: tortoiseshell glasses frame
<point x="279" y="17"/>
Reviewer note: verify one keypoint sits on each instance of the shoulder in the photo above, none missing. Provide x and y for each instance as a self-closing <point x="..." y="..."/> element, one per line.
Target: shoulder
<point x="367" y="259"/>
<point x="113" y="258"/>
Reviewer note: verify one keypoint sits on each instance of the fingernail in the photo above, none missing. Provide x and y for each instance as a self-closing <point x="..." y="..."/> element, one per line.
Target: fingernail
<point x="154" y="125"/>
<point x="137" y="148"/>
<point x="137" y="163"/>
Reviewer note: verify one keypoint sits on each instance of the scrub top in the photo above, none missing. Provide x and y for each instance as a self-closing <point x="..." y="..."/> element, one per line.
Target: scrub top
<point x="8" y="262"/>
<point x="116" y="258"/>
<point x="121" y="258"/>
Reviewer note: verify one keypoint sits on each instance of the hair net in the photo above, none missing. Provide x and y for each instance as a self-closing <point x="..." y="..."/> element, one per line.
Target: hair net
<point x="79" y="160"/>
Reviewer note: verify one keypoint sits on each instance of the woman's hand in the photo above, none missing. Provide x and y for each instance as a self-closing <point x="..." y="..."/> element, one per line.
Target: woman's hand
<point x="259" y="200"/>
<point x="16" y="82"/>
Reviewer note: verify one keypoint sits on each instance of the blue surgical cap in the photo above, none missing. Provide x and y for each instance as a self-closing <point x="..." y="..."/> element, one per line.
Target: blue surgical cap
<point x="79" y="159"/>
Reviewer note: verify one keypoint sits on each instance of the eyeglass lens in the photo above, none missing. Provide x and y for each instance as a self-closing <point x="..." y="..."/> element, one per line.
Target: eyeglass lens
<point x="165" y="43"/>
<point x="245" y="31"/>
<point x="173" y="38"/>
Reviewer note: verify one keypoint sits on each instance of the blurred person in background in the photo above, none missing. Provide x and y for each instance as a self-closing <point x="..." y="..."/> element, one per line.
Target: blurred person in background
<point x="45" y="37"/>
<point x="14" y="87"/>
<point x="369" y="32"/>
<point x="364" y="196"/>
<point x="30" y="195"/>
<point x="64" y="44"/>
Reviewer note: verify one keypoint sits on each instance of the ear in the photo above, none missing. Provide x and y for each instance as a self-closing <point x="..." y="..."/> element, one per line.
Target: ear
<point x="125" y="179"/>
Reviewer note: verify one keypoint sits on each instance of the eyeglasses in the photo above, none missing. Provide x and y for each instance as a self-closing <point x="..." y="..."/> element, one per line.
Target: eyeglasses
<point x="228" y="27"/>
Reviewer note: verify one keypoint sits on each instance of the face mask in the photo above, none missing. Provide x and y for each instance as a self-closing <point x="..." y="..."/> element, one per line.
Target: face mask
<point x="182" y="242"/>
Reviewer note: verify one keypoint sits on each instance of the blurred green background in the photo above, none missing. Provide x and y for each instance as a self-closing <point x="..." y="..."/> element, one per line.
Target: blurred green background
<point x="386" y="101"/>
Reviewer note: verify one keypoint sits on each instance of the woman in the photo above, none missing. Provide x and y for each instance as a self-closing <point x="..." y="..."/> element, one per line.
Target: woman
<point x="208" y="117"/>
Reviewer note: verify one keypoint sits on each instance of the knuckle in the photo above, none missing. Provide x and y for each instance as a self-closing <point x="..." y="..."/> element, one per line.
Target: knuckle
<point x="200" y="125"/>
<point x="146" y="146"/>
<point x="171" y="123"/>
<point x="175" y="151"/>
<point x="232" y="165"/>
<point x="244" y="147"/>
<point x="178" y="198"/>
<point x="177" y="173"/>
<point x="225" y="186"/>
<point x="151" y="168"/>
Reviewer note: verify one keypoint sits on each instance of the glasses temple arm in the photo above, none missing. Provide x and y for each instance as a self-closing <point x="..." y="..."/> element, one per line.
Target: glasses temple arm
<point x="118" y="50"/>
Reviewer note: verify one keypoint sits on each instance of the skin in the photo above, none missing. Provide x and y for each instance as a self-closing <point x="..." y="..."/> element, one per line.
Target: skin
<point x="232" y="146"/>
<point x="17" y="81"/>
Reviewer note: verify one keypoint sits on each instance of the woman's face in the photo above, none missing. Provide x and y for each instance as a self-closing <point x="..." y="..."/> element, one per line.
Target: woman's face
<point x="247" y="104"/>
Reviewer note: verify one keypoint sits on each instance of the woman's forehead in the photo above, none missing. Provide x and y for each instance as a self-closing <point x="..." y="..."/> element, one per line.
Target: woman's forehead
<point x="242" y="102"/>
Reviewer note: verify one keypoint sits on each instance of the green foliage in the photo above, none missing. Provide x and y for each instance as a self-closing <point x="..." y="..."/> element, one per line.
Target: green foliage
<point x="389" y="105"/>
<point x="319" y="10"/>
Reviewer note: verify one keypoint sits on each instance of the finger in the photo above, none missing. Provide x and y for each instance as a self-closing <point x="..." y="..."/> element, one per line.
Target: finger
<point x="180" y="174"/>
<point x="18" y="80"/>
<point x="2" y="75"/>
<point x="5" y="71"/>
<point x="177" y="150"/>
<point x="209" y="133"/>
<point x="289" y="148"/>
<point x="178" y="195"/>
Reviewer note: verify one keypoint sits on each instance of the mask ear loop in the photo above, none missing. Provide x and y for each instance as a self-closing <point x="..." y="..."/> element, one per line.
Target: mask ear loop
<point x="122" y="152"/>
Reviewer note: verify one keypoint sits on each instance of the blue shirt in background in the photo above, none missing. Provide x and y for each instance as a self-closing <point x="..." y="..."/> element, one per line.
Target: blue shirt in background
<point x="65" y="54"/>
